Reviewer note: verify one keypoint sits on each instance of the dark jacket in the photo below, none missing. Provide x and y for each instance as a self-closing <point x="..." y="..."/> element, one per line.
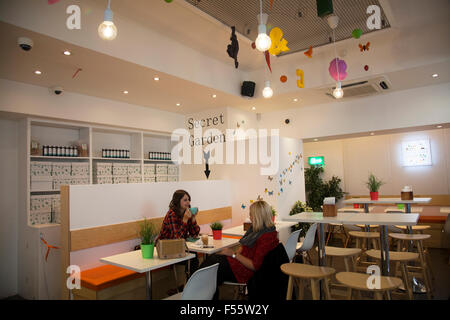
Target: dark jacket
<point x="269" y="282"/>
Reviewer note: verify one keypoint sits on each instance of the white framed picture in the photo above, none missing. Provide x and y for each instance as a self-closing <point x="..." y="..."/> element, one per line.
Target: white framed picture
<point x="416" y="153"/>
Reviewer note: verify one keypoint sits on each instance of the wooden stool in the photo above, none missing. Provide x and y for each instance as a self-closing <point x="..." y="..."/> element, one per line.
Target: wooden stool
<point x="424" y="258"/>
<point x="331" y="229"/>
<point x="361" y="238"/>
<point x="402" y="258"/>
<point x="358" y="281"/>
<point x="371" y="227"/>
<point x="300" y="272"/>
<point x="346" y="253"/>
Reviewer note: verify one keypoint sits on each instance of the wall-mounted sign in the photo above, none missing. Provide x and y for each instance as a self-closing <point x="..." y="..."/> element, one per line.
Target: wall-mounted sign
<point x="316" y="161"/>
<point x="416" y="153"/>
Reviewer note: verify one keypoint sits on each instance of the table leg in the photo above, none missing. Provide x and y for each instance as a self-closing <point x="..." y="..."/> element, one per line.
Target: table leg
<point x="384" y="248"/>
<point x="148" y="281"/>
<point x="367" y="227"/>
<point x="321" y="252"/>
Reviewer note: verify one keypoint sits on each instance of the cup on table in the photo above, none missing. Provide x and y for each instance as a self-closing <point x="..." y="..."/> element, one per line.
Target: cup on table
<point x="205" y="239"/>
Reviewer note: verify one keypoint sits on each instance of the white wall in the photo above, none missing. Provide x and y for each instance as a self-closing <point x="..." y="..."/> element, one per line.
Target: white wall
<point x="33" y="100"/>
<point x="352" y="160"/>
<point x="8" y="207"/>
<point x="402" y="109"/>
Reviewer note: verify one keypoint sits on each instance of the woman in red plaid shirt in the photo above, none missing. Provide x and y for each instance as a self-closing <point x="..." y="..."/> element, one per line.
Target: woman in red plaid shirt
<point x="179" y="222"/>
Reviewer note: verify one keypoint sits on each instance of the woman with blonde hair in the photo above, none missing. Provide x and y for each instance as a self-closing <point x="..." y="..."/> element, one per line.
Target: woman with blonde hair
<point x="260" y="239"/>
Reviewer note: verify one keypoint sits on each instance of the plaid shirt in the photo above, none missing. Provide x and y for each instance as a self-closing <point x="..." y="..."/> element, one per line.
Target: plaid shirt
<point x="173" y="227"/>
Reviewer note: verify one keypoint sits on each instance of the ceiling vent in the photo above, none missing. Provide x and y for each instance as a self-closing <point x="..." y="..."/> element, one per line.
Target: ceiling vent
<point x="362" y="88"/>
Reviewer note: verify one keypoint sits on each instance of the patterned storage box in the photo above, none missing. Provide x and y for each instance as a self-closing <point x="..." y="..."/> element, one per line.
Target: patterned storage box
<point x="172" y="170"/>
<point x="61" y="169"/>
<point x="105" y="180"/>
<point x="40" y="217"/>
<point x="149" y="169"/>
<point x="41" y="203"/>
<point x="103" y="169"/>
<point x="119" y="169"/>
<point x="80" y="169"/>
<point x="39" y="183"/>
<point x="78" y="180"/>
<point x="58" y="182"/>
<point x="161" y="168"/>
<point x="122" y="179"/>
<point x="134" y="170"/>
<point x="172" y="179"/>
<point x="40" y="169"/>
<point x="161" y="178"/>
<point x="56" y="209"/>
<point x="149" y="179"/>
<point x="134" y="180"/>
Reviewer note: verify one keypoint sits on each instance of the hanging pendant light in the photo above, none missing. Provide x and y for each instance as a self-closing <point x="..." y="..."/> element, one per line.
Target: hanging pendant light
<point x="107" y="30"/>
<point x="262" y="42"/>
<point x="267" y="91"/>
<point x="338" y="92"/>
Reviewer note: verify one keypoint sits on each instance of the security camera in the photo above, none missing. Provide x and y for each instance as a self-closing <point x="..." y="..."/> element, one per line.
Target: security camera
<point x="25" y="43"/>
<point x="287" y="121"/>
<point x="57" y="90"/>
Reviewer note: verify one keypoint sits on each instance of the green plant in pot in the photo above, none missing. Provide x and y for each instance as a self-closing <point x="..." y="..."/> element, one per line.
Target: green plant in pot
<point x="216" y="228"/>
<point x="148" y="234"/>
<point x="300" y="207"/>
<point x="274" y="214"/>
<point x="374" y="184"/>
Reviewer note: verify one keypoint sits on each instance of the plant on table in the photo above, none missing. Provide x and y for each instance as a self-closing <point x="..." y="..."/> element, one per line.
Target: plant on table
<point x="148" y="235"/>
<point x="274" y="213"/>
<point x="374" y="184"/>
<point x="216" y="228"/>
<point x="300" y="207"/>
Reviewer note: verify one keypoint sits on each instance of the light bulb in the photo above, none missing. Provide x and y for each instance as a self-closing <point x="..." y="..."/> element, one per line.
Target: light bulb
<point x="338" y="93"/>
<point x="107" y="30"/>
<point x="263" y="42"/>
<point x="267" y="91"/>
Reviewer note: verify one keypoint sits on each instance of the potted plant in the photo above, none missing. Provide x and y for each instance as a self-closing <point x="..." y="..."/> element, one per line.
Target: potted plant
<point x="148" y="234"/>
<point x="216" y="228"/>
<point x="274" y="213"/>
<point x="300" y="207"/>
<point x="373" y="184"/>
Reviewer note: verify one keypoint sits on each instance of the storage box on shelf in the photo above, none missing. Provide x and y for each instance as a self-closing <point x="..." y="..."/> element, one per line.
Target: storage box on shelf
<point x="161" y="168"/>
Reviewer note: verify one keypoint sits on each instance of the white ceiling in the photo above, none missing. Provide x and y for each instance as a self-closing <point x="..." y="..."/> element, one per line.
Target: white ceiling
<point x="106" y="76"/>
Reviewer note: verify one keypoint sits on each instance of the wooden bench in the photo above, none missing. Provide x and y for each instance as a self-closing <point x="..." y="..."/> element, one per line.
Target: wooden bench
<point x="109" y="282"/>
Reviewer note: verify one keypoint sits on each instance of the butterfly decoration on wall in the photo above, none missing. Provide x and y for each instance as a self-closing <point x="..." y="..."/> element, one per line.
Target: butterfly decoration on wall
<point x="243" y="206"/>
<point x="290" y="182"/>
<point x="271" y="193"/>
<point x="309" y="52"/>
<point x="364" y="47"/>
<point x="281" y="189"/>
<point x="238" y="125"/>
<point x="265" y="190"/>
<point x="259" y="198"/>
<point x="270" y="178"/>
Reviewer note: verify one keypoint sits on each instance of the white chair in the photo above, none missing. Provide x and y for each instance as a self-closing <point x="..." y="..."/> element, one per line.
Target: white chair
<point x="200" y="286"/>
<point x="307" y="244"/>
<point x="291" y="244"/>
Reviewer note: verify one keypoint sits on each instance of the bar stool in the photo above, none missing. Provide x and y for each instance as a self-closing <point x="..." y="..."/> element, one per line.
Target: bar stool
<point x="331" y="230"/>
<point x="358" y="281"/>
<point x="425" y="267"/>
<point x="403" y="258"/>
<point x="347" y="253"/>
<point x="361" y="238"/>
<point x="299" y="272"/>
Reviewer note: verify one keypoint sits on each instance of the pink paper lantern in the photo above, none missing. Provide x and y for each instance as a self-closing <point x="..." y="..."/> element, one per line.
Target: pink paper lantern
<point x="342" y="69"/>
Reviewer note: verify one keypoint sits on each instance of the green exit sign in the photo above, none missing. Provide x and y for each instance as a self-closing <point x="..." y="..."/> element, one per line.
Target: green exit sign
<point x="316" y="161"/>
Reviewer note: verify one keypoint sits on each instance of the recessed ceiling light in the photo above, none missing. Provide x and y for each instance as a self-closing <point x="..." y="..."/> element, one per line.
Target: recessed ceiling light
<point x="37" y="72"/>
<point x="295" y="100"/>
<point x="438" y="127"/>
<point x="156" y="78"/>
<point x="435" y="75"/>
<point x="372" y="133"/>
<point x="253" y="108"/>
<point x="178" y="104"/>
<point x="316" y="139"/>
<point x="125" y="92"/>
<point x="214" y="96"/>
<point x="67" y="53"/>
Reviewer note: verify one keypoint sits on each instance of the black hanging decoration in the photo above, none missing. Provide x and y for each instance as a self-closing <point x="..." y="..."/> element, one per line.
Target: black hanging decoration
<point x="233" y="48"/>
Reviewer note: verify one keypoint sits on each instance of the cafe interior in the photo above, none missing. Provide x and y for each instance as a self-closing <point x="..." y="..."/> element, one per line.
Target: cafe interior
<point x="336" y="113"/>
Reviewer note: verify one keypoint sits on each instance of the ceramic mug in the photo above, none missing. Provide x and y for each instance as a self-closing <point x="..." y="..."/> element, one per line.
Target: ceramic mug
<point x="193" y="210"/>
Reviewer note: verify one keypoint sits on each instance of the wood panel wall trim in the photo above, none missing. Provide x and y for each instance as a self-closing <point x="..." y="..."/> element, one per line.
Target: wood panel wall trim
<point x="65" y="240"/>
<point x="436" y="199"/>
<point x="98" y="236"/>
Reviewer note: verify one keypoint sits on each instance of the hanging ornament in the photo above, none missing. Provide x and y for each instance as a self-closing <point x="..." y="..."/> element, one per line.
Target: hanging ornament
<point x="357" y="33"/>
<point x="366" y="67"/>
<point x="342" y="69"/>
<point x="309" y="52"/>
<point x="278" y="43"/>
<point x="283" y="79"/>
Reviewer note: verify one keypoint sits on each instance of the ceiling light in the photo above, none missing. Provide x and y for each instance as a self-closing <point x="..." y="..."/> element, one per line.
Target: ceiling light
<point x="67" y="53"/>
<point x="262" y="42"/>
<point x="38" y="72"/>
<point x="316" y="139"/>
<point x="435" y="75"/>
<point x="253" y="108"/>
<point x="439" y="127"/>
<point x="267" y="91"/>
<point x="125" y="92"/>
<point x="156" y="78"/>
<point x="295" y="100"/>
<point x="178" y="104"/>
<point x="214" y="96"/>
<point x="107" y="30"/>
<point x="338" y="93"/>
<point x="372" y="134"/>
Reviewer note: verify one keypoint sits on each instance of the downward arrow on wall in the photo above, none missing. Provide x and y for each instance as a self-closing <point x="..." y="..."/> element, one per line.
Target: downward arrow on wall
<point x="206" y="156"/>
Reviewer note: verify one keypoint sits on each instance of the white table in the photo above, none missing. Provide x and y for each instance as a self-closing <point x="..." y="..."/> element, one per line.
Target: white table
<point x="283" y="228"/>
<point x="214" y="246"/>
<point x="133" y="261"/>
<point x="381" y="219"/>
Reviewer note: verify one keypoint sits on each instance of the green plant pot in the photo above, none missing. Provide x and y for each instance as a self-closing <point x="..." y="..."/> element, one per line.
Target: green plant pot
<point x="147" y="251"/>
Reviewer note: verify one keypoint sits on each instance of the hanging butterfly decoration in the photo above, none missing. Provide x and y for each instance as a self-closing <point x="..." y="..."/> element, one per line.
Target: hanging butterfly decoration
<point x="364" y="47"/>
<point x="271" y="193"/>
<point x="309" y="52"/>
<point x="243" y="206"/>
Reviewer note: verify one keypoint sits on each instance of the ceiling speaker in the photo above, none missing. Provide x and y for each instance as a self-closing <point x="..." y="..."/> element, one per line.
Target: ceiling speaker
<point x="248" y="88"/>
